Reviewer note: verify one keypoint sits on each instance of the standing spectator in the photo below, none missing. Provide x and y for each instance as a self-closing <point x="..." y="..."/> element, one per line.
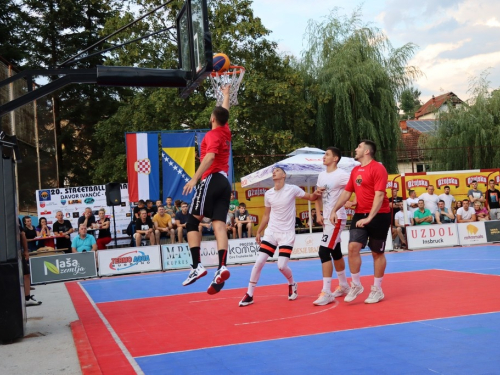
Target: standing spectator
<point x="395" y="202"/>
<point x="474" y="194"/>
<point x="63" y="228"/>
<point x="447" y="198"/>
<point x="493" y="201"/>
<point x="152" y="210"/>
<point x="466" y="214"/>
<point x="141" y="205"/>
<point x="163" y="225"/>
<point x="30" y="299"/>
<point x="144" y="227"/>
<point x="87" y="218"/>
<point x="399" y="223"/>
<point x="422" y="216"/>
<point x="83" y="242"/>
<point x="482" y="213"/>
<point x="430" y="200"/>
<point x="104" y="235"/>
<point x="29" y="232"/>
<point x="443" y="214"/>
<point x="233" y="204"/>
<point x="169" y="207"/>
<point x="412" y="202"/>
<point x="243" y="221"/>
<point x="181" y="219"/>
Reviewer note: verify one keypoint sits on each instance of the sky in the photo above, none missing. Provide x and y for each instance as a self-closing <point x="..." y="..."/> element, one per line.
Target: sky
<point x="457" y="40"/>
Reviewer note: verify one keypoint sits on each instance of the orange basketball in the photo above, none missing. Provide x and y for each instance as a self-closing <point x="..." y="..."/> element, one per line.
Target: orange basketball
<point x="221" y="62"/>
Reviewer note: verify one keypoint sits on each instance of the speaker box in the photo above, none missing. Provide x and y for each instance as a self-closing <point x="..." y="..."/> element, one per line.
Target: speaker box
<point x="12" y="308"/>
<point x="9" y="228"/>
<point x="113" y="194"/>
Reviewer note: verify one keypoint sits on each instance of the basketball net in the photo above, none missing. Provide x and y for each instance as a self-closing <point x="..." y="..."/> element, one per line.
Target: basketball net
<point x="233" y="77"/>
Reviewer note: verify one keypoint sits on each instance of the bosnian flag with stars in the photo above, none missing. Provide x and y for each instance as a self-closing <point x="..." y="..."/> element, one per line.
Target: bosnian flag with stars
<point x="178" y="156"/>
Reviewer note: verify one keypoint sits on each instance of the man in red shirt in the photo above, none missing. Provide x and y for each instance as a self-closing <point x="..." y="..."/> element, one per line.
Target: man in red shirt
<point x="371" y="221"/>
<point x="212" y="195"/>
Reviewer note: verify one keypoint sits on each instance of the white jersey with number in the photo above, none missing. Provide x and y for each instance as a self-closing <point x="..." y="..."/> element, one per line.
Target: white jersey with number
<point x="334" y="184"/>
<point x="282" y="203"/>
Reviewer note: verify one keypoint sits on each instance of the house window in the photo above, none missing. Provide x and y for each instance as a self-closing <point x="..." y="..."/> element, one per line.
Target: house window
<point x="423" y="167"/>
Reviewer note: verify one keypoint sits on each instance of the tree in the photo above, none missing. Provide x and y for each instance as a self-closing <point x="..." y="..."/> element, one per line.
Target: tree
<point x="409" y="102"/>
<point x="467" y="136"/>
<point x="353" y="77"/>
<point x="12" y="27"/>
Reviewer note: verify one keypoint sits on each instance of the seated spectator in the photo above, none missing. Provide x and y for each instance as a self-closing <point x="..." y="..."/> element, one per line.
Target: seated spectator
<point x="231" y="229"/>
<point x="181" y="219"/>
<point x="299" y="225"/>
<point x="205" y="226"/>
<point x="43" y="230"/>
<point x="400" y="225"/>
<point x="458" y="204"/>
<point x="169" y="207"/>
<point x="163" y="225"/>
<point x="233" y="205"/>
<point x="87" y="218"/>
<point x="442" y="214"/>
<point x="313" y="219"/>
<point x="422" y="216"/>
<point x="482" y="213"/>
<point x="466" y="214"/>
<point x="144" y="228"/>
<point x="30" y="233"/>
<point x="141" y="205"/>
<point x="152" y="210"/>
<point x="243" y="221"/>
<point x="104" y="235"/>
<point x="63" y="228"/>
<point x="83" y="242"/>
<point x="177" y="205"/>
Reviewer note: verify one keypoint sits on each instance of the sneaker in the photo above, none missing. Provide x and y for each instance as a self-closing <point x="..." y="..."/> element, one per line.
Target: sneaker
<point x="215" y="288"/>
<point x="221" y="275"/>
<point x="324" y="298"/>
<point x="354" y="292"/>
<point x="247" y="300"/>
<point x="376" y="295"/>
<point x="341" y="291"/>
<point x="31" y="301"/>
<point x="292" y="292"/>
<point x="195" y="274"/>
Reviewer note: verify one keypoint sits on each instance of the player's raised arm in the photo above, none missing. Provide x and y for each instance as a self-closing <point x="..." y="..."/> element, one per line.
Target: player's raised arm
<point x="225" y="91"/>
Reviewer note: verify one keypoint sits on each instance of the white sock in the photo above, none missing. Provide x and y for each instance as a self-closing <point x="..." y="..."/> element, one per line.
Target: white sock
<point x="327" y="284"/>
<point x="378" y="282"/>
<point x="355" y="278"/>
<point x="285" y="270"/>
<point x="256" y="270"/>
<point x="342" y="278"/>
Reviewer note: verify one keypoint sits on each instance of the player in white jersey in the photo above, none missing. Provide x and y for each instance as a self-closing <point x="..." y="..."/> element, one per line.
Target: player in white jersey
<point x="331" y="183"/>
<point x="279" y="234"/>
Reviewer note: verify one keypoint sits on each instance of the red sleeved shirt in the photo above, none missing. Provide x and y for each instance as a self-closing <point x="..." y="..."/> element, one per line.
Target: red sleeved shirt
<point x="217" y="141"/>
<point x="365" y="181"/>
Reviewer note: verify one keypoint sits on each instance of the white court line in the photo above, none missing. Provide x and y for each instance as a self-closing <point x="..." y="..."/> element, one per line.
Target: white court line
<point x="473" y="273"/>
<point x="317" y="334"/>
<point x="117" y="339"/>
<point x="288" y="317"/>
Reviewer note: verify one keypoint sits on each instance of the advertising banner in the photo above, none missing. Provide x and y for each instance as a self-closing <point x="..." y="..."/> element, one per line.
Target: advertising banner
<point x="129" y="260"/>
<point x="429" y="236"/>
<point x="243" y="250"/>
<point x="492" y="230"/>
<point x="72" y="201"/>
<point x="54" y="268"/>
<point x="472" y="233"/>
<point x="176" y="256"/>
<point x="209" y="253"/>
<point x="306" y="245"/>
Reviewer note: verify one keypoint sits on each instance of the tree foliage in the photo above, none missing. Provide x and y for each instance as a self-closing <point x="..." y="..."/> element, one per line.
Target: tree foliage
<point x="409" y="102"/>
<point x="467" y="136"/>
<point x="353" y="77"/>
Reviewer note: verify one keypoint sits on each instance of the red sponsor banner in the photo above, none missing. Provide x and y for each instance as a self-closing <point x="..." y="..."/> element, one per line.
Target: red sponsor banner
<point x="254" y="218"/>
<point x="392" y="185"/>
<point x="256" y="192"/>
<point x="418" y="182"/>
<point x="479" y="179"/>
<point x="304" y="215"/>
<point x="450" y="181"/>
<point x="497" y="179"/>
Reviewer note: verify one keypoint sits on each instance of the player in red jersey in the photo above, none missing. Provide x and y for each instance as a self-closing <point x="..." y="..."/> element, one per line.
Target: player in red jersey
<point x="371" y="221"/>
<point x="212" y="195"/>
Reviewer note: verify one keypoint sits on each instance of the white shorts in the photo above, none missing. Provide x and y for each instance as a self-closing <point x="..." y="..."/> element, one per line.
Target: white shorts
<point x="282" y="240"/>
<point x="332" y="233"/>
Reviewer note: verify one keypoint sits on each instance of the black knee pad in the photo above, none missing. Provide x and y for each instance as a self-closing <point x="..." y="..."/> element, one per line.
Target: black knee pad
<point x="337" y="252"/>
<point x="192" y="224"/>
<point x="324" y="254"/>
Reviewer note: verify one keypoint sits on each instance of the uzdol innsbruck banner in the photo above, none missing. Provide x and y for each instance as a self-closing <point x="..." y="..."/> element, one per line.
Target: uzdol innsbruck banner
<point x="72" y="201"/>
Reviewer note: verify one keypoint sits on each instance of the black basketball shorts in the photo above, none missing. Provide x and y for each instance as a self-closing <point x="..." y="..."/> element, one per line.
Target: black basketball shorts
<point x="211" y="198"/>
<point x="376" y="231"/>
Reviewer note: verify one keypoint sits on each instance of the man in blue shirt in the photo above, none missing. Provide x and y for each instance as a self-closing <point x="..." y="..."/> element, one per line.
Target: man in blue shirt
<point x="83" y="242"/>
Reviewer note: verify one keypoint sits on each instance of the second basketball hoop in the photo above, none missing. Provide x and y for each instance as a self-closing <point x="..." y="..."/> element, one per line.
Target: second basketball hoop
<point x="233" y="77"/>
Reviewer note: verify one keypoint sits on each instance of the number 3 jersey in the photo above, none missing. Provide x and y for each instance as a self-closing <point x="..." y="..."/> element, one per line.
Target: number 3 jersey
<point x="334" y="184"/>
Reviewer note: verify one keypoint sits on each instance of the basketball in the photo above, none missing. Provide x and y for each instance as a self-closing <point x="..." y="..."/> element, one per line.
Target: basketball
<point x="221" y="62"/>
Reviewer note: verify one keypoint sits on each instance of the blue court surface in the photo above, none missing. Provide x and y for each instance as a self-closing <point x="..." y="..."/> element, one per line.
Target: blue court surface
<point x="441" y="315"/>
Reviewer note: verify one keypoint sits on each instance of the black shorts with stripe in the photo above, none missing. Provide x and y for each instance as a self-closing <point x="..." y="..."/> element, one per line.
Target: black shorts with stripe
<point x="211" y="198"/>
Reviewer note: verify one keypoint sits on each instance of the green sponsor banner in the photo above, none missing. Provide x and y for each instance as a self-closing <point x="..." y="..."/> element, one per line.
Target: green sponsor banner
<point x="54" y="268"/>
<point x="492" y="231"/>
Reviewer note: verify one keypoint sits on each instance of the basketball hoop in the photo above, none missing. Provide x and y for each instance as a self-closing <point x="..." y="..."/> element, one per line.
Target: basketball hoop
<point x="233" y="77"/>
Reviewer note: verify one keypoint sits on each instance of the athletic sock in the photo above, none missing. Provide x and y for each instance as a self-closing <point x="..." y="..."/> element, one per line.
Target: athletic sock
<point x="327" y="284"/>
<point x="222" y="258"/>
<point x="342" y="278"/>
<point x="195" y="254"/>
<point x="378" y="282"/>
<point x="251" y="288"/>
<point x="355" y="278"/>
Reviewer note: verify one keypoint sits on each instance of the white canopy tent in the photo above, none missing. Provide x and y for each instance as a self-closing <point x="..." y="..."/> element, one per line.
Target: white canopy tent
<point x="301" y="169"/>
